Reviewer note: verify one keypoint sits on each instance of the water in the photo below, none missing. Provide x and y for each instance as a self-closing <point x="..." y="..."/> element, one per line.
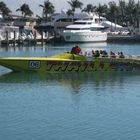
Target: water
<point x="85" y="106"/>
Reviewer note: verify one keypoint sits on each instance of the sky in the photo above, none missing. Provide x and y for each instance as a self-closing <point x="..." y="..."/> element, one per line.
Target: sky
<point x="59" y="4"/>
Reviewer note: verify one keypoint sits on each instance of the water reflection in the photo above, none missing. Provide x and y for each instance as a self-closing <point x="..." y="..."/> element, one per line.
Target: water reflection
<point x="75" y="80"/>
<point x="21" y="48"/>
<point x="62" y="47"/>
<point x="51" y="46"/>
<point x="53" y="49"/>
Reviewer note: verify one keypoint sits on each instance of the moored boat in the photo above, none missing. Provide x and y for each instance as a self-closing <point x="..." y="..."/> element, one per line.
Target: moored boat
<point x="85" y="30"/>
<point x="68" y="62"/>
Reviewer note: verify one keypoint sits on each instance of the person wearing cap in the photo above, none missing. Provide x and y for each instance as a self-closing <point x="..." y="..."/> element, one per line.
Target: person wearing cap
<point x="76" y="50"/>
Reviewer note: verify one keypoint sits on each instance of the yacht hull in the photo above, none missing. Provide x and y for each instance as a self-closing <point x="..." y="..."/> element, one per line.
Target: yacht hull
<point x="85" y="36"/>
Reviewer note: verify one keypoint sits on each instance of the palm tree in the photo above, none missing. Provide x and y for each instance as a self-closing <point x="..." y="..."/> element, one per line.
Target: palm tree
<point x="70" y="13"/>
<point x="122" y="10"/>
<point x="48" y="9"/>
<point x="75" y="4"/>
<point x="4" y="9"/>
<point x="113" y="11"/>
<point x="89" y="8"/>
<point x="25" y="10"/>
<point x="101" y="10"/>
<point x="130" y="11"/>
<point x="136" y="13"/>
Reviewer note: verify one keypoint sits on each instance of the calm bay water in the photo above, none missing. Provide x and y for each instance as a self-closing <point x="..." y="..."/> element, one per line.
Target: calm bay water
<point x="78" y="106"/>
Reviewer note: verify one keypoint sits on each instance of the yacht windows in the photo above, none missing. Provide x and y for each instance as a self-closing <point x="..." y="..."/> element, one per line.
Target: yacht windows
<point x="85" y="29"/>
<point x="90" y="28"/>
<point x="72" y="29"/>
<point x="68" y="37"/>
<point x="93" y="29"/>
<point x="82" y="23"/>
<point x="66" y="20"/>
<point x="97" y="29"/>
<point x="98" y="20"/>
<point x="77" y="29"/>
<point x="88" y="19"/>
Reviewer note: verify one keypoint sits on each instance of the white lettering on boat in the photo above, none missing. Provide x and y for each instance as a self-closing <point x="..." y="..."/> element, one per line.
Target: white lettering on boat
<point x="34" y="64"/>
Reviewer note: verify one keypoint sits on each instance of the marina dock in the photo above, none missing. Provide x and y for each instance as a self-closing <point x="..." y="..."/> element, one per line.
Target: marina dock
<point x="42" y="40"/>
<point x="123" y="38"/>
<point x="36" y="40"/>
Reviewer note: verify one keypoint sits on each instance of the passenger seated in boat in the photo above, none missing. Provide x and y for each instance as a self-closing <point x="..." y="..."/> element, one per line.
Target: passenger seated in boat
<point x="121" y="55"/>
<point x="104" y="54"/>
<point x="73" y="50"/>
<point x="97" y="54"/>
<point x="112" y="54"/>
<point x="93" y="53"/>
<point x="101" y="52"/>
<point x="76" y="50"/>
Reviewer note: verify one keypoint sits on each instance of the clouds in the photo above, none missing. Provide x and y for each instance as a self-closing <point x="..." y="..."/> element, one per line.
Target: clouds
<point x="59" y="4"/>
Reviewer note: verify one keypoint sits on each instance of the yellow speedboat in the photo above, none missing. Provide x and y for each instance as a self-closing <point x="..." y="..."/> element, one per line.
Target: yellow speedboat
<point x="68" y="62"/>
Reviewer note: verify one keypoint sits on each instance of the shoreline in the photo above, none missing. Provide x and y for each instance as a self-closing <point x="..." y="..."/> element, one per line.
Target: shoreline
<point x="53" y="39"/>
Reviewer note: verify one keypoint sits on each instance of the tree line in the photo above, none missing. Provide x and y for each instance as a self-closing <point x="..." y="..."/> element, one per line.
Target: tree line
<point x="123" y="13"/>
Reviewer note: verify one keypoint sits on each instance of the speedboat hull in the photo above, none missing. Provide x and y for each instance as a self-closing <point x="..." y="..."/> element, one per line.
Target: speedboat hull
<point x="70" y="63"/>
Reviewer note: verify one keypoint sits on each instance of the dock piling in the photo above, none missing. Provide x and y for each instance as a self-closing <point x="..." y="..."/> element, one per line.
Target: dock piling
<point x="14" y="43"/>
<point x="42" y="39"/>
<point x="7" y="38"/>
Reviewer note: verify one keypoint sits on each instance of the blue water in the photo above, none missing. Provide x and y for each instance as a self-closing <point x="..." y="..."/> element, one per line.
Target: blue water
<point x="85" y="106"/>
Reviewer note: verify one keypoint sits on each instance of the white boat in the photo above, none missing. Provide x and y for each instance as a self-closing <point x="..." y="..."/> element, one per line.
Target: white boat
<point x="85" y="30"/>
<point x="61" y="20"/>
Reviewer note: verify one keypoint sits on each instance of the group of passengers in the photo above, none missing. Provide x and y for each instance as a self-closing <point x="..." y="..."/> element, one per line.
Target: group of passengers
<point x="103" y="53"/>
<point x="97" y="53"/>
<point x="121" y="55"/>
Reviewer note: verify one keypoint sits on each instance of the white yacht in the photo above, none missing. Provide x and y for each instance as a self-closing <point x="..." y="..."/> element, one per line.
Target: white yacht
<point x="61" y="20"/>
<point x="85" y="30"/>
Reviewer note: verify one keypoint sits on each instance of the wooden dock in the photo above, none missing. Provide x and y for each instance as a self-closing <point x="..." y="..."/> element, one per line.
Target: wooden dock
<point x="15" y="42"/>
